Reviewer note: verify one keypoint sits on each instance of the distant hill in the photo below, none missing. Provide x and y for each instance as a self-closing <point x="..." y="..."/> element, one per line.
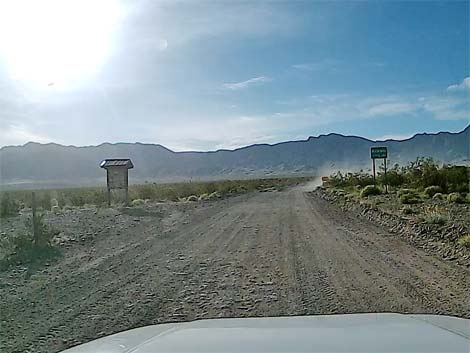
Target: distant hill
<point x="56" y="165"/>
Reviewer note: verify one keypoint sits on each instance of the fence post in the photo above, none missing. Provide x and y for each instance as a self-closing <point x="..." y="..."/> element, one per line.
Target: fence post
<point x="35" y="221"/>
<point x="373" y="168"/>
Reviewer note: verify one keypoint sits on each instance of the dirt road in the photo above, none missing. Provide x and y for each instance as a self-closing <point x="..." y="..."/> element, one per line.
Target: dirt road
<point x="263" y="254"/>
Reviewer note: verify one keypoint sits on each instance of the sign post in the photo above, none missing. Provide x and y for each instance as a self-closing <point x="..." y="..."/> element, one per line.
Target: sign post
<point x="385" y="172"/>
<point x="379" y="153"/>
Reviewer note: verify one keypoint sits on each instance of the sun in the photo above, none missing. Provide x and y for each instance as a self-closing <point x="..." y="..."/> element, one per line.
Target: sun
<point x="56" y="42"/>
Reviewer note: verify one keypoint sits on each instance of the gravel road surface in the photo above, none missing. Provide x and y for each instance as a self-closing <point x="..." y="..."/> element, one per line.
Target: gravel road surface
<point x="262" y="254"/>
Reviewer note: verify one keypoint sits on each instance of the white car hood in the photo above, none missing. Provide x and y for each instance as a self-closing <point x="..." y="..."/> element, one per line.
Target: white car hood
<point x="328" y="333"/>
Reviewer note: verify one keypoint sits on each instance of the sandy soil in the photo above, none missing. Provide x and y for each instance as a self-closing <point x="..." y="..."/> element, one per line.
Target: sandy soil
<point x="262" y="254"/>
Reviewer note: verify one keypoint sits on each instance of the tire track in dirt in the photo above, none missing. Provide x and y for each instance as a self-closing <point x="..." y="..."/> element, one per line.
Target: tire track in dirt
<point x="410" y="280"/>
<point x="116" y="299"/>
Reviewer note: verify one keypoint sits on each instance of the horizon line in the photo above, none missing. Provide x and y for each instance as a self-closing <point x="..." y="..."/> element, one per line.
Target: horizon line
<point x="238" y="148"/>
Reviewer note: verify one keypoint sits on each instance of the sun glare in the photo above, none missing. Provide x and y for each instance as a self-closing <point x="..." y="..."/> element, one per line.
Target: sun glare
<point x="56" y="42"/>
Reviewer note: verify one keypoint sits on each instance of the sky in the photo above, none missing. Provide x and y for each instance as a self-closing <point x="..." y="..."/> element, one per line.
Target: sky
<point x="206" y="75"/>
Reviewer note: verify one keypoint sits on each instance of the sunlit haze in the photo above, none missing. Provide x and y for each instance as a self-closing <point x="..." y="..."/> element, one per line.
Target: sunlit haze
<point x="55" y="42"/>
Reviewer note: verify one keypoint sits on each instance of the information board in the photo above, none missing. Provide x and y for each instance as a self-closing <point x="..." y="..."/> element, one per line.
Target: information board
<point x="117" y="178"/>
<point x="378" y="152"/>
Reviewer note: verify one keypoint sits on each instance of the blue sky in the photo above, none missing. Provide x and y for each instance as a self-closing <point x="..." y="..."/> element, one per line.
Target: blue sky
<point x="208" y="75"/>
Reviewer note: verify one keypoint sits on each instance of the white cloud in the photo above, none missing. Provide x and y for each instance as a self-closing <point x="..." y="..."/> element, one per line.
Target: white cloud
<point x="328" y="108"/>
<point x="227" y="132"/>
<point x="391" y="108"/>
<point x="464" y="85"/>
<point x="255" y="81"/>
<point x="322" y="65"/>
<point x="18" y="135"/>
<point x="394" y="137"/>
<point x="446" y="108"/>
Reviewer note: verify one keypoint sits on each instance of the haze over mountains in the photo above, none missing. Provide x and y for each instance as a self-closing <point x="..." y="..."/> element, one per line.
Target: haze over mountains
<point x="35" y="164"/>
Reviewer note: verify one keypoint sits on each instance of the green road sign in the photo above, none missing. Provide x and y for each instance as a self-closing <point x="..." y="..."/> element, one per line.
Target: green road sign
<point x="378" y="152"/>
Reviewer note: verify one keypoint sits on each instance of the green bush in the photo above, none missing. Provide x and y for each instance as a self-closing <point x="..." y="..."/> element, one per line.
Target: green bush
<point x="464" y="241"/>
<point x="438" y="196"/>
<point x="407" y="211"/>
<point x="457" y="178"/>
<point x="430" y="191"/>
<point x="44" y="200"/>
<point x="370" y="190"/>
<point x="455" y="197"/>
<point x="402" y="192"/>
<point x="393" y="178"/>
<point x="436" y="218"/>
<point x="203" y="197"/>
<point x="137" y="203"/>
<point x="98" y="197"/>
<point x="25" y="249"/>
<point x="77" y="199"/>
<point x="214" y="195"/>
<point x="409" y="199"/>
<point x="360" y="179"/>
<point x="424" y="172"/>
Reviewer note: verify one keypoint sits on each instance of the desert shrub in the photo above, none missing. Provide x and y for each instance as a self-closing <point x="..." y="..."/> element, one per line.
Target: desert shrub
<point x="402" y="192"/>
<point x="430" y="191"/>
<point x="8" y="206"/>
<point x="370" y="190"/>
<point x="25" y="249"/>
<point x="77" y="199"/>
<point x="214" y="195"/>
<point x="457" y="178"/>
<point x="203" y="197"/>
<point x="407" y="211"/>
<point x="192" y="198"/>
<point x="455" y="197"/>
<point x="351" y="179"/>
<point x="137" y="203"/>
<point x="46" y="202"/>
<point x="438" y="196"/>
<point x="393" y="178"/>
<point x="170" y="194"/>
<point x="98" y="197"/>
<point x="422" y="174"/>
<point x="464" y="241"/>
<point x="435" y="218"/>
<point x="409" y="198"/>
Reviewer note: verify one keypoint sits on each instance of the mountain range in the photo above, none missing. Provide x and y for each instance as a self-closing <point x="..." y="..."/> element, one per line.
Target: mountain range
<point x="52" y="165"/>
